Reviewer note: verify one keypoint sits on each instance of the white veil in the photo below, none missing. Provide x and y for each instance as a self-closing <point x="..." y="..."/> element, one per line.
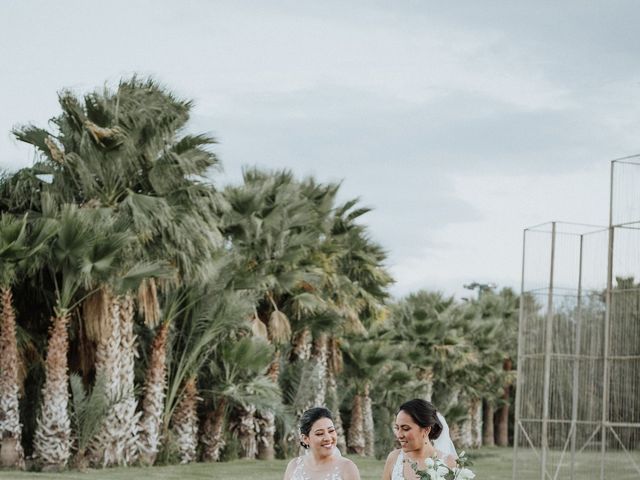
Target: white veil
<point x="443" y="443"/>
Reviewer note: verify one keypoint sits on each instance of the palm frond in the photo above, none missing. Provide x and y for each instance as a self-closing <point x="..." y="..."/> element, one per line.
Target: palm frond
<point x="88" y="409"/>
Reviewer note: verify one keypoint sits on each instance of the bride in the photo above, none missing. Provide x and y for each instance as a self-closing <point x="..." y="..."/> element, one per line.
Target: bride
<point x="322" y="460"/>
<point x="423" y="433"/>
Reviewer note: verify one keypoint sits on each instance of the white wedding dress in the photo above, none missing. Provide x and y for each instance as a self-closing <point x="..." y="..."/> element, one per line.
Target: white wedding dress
<point x="443" y="445"/>
<point x="300" y="472"/>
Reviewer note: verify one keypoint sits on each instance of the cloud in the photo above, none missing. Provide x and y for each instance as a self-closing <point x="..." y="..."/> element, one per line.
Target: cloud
<point x="459" y="122"/>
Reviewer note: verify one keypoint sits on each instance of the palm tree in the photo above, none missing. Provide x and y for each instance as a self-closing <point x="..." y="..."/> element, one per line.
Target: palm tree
<point x="89" y="409"/>
<point x="365" y="358"/>
<point x="117" y="441"/>
<point x="122" y="151"/>
<point x="84" y="246"/>
<point x="239" y="378"/>
<point x="493" y="333"/>
<point x="203" y="318"/>
<point x="430" y="331"/>
<point x="418" y="323"/>
<point x="274" y="224"/>
<point x="482" y="375"/>
<point x="354" y="287"/>
<point x="12" y="250"/>
<point x="153" y="398"/>
<point x="185" y="422"/>
<point x="16" y="247"/>
<point x="508" y="339"/>
<point x="334" y="370"/>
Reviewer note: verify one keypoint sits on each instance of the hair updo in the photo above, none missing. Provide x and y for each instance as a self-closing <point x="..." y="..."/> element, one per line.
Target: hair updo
<point x="310" y="417"/>
<point x="423" y="414"/>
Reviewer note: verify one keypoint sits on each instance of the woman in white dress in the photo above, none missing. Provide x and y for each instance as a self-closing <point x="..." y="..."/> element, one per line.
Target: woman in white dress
<point x="422" y="433"/>
<point x="322" y="460"/>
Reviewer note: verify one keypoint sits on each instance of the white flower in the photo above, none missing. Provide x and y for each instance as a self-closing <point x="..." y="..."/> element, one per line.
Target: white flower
<point x="465" y="474"/>
<point x="429" y="462"/>
<point x="434" y="474"/>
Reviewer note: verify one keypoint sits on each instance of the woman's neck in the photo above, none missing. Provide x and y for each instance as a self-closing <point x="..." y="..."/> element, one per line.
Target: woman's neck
<point x="317" y="459"/>
<point x="421" y="454"/>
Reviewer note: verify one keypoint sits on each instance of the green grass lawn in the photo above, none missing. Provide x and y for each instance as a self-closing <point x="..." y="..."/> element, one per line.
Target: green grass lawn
<point x="494" y="463"/>
<point x="489" y="463"/>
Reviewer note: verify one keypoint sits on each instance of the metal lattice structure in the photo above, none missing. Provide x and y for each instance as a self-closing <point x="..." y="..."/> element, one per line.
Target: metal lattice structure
<point x="578" y="388"/>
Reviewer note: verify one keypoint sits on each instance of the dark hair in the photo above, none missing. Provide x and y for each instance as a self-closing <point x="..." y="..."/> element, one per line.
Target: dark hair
<point x="310" y="417"/>
<point x="424" y="414"/>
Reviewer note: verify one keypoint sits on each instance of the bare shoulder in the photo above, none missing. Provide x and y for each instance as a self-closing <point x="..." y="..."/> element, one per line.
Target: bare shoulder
<point x="349" y="469"/>
<point x="293" y="462"/>
<point x="347" y="463"/>
<point x="388" y="466"/>
<point x="290" y="468"/>
<point x="393" y="455"/>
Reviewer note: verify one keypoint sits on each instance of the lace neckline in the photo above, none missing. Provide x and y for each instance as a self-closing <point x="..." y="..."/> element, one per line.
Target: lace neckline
<point x="301" y="472"/>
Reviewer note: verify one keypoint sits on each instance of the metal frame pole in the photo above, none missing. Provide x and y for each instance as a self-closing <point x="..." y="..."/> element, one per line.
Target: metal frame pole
<point x="547" y="359"/>
<point x="520" y="367"/>
<point x="607" y="320"/>
<point x="576" y="364"/>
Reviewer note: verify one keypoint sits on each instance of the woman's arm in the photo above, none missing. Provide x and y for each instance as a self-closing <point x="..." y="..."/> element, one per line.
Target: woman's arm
<point x="350" y="471"/>
<point x="388" y="466"/>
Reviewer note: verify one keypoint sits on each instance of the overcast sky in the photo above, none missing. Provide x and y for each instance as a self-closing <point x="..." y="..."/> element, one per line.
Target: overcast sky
<point x="460" y="123"/>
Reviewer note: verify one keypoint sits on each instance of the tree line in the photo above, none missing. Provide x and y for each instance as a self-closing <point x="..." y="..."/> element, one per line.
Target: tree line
<point x="150" y="316"/>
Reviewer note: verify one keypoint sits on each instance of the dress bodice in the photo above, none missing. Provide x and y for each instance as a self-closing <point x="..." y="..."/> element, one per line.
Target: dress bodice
<point x="300" y="473"/>
<point x="398" y="468"/>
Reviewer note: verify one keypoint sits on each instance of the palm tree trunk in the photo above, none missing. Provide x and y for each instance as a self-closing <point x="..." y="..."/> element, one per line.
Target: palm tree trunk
<point x="185" y="422"/>
<point x="95" y="326"/>
<point x="301" y="349"/>
<point x="342" y="439"/>
<point x="425" y="375"/>
<point x="355" y="436"/>
<point x="319" y="380"/>
<point x="154" y="395"/>
<point x="265" y="435"/>
<point x="266" y="421"/>
<point x="334" y="405"/>
<point x="11" y="453"/>
<point x="502" y="435"/>
<point x="116" y="441"/>
<point x="468" y="428"/>
<point x="367" y="424"/>
<point x="129" y="417"/>
<point x="455" y="430"/>
<point x="301" y="345"/>
<point x="475" y="422"/>
<point x="213" y="437"/>
<point x="465" y="436"/>
<point x="246" y="431"/>
<point x="105" y="448"/>
<point x="488" y="434"/>
<point x="52" y="440"/>
<point x="86" y="353"/>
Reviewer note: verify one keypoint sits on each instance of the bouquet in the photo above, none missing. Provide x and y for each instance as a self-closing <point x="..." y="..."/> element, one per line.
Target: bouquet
<point x="438" y="470"/>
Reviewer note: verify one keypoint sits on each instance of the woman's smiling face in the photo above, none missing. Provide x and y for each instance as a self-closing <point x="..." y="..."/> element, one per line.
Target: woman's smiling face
<point x="410" y="435"/>
<point x="322" y="437"/>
